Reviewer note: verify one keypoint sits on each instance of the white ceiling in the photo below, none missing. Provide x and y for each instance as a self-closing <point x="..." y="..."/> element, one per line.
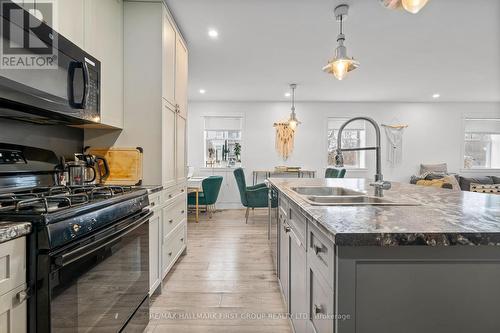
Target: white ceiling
<point x="451" y="47"/>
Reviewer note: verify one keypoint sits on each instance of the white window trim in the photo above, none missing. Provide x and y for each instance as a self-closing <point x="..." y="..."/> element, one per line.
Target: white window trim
<point x="242" y="141"/>
<point x="466" y="117"/>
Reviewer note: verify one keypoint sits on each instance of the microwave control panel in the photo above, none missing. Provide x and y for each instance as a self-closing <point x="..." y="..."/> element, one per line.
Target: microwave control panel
<point x="11" y="157"/>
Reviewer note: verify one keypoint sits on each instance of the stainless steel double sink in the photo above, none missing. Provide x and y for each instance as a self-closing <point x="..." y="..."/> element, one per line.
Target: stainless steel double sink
<point x="341" y="196"/>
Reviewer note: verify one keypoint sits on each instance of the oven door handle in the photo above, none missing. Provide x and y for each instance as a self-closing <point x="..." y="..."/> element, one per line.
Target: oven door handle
<point x="77" y="254"/>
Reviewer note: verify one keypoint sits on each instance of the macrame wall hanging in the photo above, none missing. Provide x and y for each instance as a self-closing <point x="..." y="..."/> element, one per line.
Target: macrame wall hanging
<point x="394" y="135"/>
<point x="285" y="130"/>
<point x="284" y="139"/>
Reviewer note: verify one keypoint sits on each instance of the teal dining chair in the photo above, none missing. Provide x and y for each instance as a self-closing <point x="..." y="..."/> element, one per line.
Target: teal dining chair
<point x="251" y="196"/>
<point x="335" y="173"/>
<point x="211" y="188"/>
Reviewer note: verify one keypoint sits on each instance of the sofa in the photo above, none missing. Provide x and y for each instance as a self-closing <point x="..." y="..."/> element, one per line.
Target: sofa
<point x="437" y="175"/>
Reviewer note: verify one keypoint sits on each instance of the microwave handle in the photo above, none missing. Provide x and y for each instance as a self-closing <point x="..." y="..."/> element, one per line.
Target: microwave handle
<point x="86" y="82"/>
<point x="71" y="89"/>
<point x="79" y="253"/>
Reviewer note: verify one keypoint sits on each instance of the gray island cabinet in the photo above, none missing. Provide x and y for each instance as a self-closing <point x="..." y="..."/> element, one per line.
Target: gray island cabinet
<point x="429" y="267"/>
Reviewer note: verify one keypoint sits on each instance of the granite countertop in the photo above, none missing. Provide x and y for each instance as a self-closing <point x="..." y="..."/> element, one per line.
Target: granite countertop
<point x="13" y="230"/>
<point x="445" y="217"/>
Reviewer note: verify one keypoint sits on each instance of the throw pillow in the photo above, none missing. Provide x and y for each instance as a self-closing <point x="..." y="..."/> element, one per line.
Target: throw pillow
<point x="496" y="180"/>
<point x="482" y="188"/>
<point x="452" y="180"/>
<point x="465" y="183"/>
<point x="439" y="183"/>
<point x="438" y="168"/>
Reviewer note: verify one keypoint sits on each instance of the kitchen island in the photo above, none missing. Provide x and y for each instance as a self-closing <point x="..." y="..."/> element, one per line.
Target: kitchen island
<point x="428" y="260"/>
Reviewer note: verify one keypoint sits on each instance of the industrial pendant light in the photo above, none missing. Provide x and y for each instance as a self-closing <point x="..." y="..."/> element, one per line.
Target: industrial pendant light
<point x="293" y="122"/>
<point x="341" y="64"/>
<point x="411" y="6"/>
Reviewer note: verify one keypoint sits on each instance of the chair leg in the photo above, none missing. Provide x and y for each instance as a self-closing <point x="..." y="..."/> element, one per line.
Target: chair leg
<point x="246" y="215"/>
<point x="210" y="211"/>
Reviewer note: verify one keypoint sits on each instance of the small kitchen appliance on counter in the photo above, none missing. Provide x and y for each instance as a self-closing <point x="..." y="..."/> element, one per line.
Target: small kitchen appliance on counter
<point x="88" y="254"/>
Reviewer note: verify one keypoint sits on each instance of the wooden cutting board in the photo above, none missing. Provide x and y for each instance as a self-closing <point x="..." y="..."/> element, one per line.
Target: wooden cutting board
<point x="125" y="164"/>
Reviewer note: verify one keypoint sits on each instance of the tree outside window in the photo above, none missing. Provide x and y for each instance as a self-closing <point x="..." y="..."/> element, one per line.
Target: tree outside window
<point x="352" y="137"/>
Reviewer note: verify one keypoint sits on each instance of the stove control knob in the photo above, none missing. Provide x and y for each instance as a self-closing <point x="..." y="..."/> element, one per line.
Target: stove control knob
<point x="76" y="227"/>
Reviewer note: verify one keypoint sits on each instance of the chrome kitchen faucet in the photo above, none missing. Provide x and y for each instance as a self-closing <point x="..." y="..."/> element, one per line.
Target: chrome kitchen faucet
<point x="379" y="184"/>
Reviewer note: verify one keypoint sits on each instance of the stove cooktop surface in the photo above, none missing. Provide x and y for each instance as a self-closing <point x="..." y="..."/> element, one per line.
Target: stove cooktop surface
<point x="57" y="202"/>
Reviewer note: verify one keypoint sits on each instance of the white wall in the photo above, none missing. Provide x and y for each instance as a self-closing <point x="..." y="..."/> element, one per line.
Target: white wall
<point x="434" y="135"/>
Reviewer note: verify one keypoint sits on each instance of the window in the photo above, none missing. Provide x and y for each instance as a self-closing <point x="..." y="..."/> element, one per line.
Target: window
<point x="222" y="141"/>
<point x="354" y="136"/>
<point x="482" y="144"/>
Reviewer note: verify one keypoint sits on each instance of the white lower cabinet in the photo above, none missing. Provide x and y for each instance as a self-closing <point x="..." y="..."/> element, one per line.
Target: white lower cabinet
<point x="13" y="308"/>
<point x="174" y="226"/>
<point x="13" y="311"/>
<point x="167" y="232"/>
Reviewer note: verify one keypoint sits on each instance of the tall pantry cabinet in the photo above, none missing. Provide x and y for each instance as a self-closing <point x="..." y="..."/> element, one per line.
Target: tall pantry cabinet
<point x="155" y="116"/>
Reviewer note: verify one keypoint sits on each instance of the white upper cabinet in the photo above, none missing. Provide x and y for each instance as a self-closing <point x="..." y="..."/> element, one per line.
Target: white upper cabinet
<point x="180" y="149"/>
<point x="69" y="20"/>
<point x="103" y="39"/>
<point x="169" y="146"/>
<point x="168" y="59"/>
<point x="181" y="77"/>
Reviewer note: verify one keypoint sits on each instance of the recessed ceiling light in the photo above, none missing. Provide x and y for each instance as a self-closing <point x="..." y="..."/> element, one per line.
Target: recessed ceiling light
<point x="287" y="94"/>
<point x="202" y="91"/>
<point x="436" y="95"/>
<point x="212" y="33"/>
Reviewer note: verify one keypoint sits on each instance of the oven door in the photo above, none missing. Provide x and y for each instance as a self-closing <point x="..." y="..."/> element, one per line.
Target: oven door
<point x="99" y="285"/>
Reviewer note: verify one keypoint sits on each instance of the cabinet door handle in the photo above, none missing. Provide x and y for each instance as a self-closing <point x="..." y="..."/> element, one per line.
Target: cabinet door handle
<point x="182" y="211"/>
<point x="182" y="239"/>
<point x="182" y="190"/>
<point x="317" y="309"/>
<point x="170" y="221"/>
<point x="152" y="204"/>
<point x="317" y="249"/>
<point x="170" y="254"/>
<point x="286" y="228"/>
<point x="22" y="296"/>
<point x="170" y="195"/>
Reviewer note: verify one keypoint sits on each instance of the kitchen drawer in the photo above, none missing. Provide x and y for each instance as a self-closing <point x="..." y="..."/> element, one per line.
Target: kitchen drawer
<point x="320" y="298"/>
<point x="174" y="191"/>
<point x="298" y="223"/>
<point x="283" y="204"/>
<point x="174" y="245"/>
<point x="155" y="200"/>
<point x="13" y="311"/>
<point x="12" y="264"/>
<point x="320" y="252"/>
<point x="173" y="214"/>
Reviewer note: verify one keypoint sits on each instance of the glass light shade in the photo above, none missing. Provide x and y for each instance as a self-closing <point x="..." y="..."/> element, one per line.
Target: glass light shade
<point x="293" y="124"/>
<point x="413" y="6"/>
<point x="340" y="67"/>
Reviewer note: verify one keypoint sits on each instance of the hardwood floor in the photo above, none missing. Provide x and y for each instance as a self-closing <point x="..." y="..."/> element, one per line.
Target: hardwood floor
<point x="225" y="283"/>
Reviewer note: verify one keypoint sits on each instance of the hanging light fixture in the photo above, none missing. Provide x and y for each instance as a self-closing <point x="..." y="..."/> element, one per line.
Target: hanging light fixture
<point x="341" y="64"/>
<point x="411" y="6"/>
<point x="293" y="122"/>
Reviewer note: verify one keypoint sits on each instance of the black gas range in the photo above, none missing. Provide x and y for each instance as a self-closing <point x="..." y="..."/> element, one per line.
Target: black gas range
<point x="88" y="254"/>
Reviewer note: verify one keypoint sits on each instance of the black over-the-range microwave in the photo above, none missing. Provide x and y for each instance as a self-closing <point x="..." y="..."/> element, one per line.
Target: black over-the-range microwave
<point x="44" y="78"/>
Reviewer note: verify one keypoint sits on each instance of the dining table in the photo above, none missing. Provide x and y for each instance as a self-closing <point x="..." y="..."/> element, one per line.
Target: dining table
<point x="194" y="185"/>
